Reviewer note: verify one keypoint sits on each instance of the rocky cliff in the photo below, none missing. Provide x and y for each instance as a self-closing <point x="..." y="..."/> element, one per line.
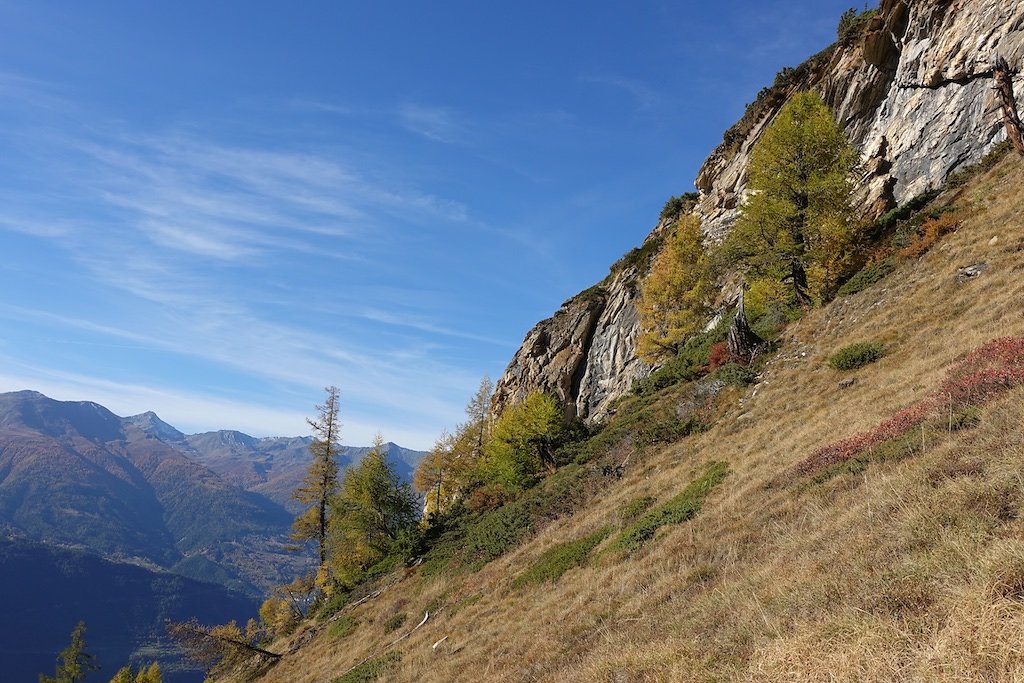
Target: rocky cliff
<point x="913" y="89"/>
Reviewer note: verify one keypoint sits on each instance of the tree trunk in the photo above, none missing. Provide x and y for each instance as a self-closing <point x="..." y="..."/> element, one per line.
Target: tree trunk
<point x="743" y="342"/>
<point x="1004" y="86"/>
<point x="798" y="277"/>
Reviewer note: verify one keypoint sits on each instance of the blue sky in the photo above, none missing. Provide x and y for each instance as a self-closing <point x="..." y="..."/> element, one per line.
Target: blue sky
<point x="215" y="209"/>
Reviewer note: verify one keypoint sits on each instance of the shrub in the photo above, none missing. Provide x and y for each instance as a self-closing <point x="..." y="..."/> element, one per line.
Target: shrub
<point x="635" y="508"/>
<point x="853" y="23"/>
<point x="690" y="364"/>
<point x="736" y="375"/>
<point x="891" y="220"/>
<point x="474" y="540"/>
<point x="981" y="376"/>
<point x="395" y="621"/>
<point x="867" y="276"/>
<point x="337" y="599"/>
<point x="718" y="355"/>
<point x="928" y="234"/>
<point x="681" y="508"/>
<point x="370" y="670"/>
<point x="639" y="257"/>
<point x="856" y="355"/>
<point x="559" y="559"/>
<point x="343" y="626"/>
<point x="488" y="497"/>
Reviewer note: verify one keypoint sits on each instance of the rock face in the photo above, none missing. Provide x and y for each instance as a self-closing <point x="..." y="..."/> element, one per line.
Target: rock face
<point x="914" y="93"/>
<point x="585" y="354"/>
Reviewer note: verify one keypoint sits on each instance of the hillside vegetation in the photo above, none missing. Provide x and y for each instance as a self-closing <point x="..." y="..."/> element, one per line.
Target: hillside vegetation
<point x="726" y="550"/>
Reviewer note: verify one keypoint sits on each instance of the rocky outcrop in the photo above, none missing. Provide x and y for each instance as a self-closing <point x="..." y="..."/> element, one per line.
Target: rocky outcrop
<point x="585" y="354"/>
<point x="914" y="92"/>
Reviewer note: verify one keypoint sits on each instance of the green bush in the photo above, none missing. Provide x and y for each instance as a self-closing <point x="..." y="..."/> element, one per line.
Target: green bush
<point x="639" y="257"/>
<point x="394" y="622"/>
<point x="736" y="375"/>
<point x="471" y="541"/>
<point x="676" y="206"/>
<point x="867" y="276"/>
<point x="856" y="355"/>
<point x="370" y="670"/>
<point x="635" y="508"/>
<point x="681" y="508"/>
<point x="853" y="23"/>
<point x="339" y="598"/>
<point x="343" y="626"/>
<point x="690" y="364"/>
<point x="559" y="559"/>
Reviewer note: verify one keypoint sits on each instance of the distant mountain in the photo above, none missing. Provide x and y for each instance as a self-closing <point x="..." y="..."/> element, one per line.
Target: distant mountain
<point x="124" y="522"/>
<point x="275" y="466"/>
<point x="75" y="474"/>
<point x="46" y="590"/>
<point x="214" y="506"/>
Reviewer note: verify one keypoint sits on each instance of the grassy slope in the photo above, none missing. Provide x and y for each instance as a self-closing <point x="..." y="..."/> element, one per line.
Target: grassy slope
<point x="911" y="570"/>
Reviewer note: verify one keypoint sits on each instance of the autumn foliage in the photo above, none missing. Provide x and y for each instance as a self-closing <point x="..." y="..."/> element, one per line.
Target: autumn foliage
<point x="980" y="377"/>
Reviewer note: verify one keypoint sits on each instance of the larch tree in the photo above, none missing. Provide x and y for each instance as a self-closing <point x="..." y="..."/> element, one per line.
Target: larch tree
<point x="145" y="674"/>
<point x="321" y="481"/>
<point x="797" y="225"/>
<point x="371" y="510"/>
<point x="675" y="298"/>
<point x="446" y="470"/>
<point x="73" y="662"/>
<point x="433" y="473"/>
<point x="478" y="410"/>
<point x="522" y="443"/>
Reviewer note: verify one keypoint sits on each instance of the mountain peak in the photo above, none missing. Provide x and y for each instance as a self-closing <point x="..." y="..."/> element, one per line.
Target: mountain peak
<point x="151" y="424"/>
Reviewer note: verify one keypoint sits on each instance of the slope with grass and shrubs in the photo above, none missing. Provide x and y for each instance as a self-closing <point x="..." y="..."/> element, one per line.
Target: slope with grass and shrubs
<point x="798" y="528"/>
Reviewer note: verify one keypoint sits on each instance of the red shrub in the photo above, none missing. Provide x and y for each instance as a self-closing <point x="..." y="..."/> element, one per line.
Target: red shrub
<point x="981" y="376"/>
<point x="718" y="355"/>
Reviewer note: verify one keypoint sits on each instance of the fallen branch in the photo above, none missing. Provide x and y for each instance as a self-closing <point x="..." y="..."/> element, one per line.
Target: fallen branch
<point x="364" y="660"/>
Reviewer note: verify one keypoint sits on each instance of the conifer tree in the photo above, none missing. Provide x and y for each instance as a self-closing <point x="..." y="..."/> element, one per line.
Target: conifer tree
<point x="445" y="470"/>
<point x="675" y="300"/>
<point x="321" y="480"/>
<point x="73" y="662"/>
<point x="145" y="674"/>
<point x="371" y="510"/>
<point x="523" y="441"/>
<point x="797" y="227"/>
<point x="433" y="473"/>
<point x="479" y="413"/>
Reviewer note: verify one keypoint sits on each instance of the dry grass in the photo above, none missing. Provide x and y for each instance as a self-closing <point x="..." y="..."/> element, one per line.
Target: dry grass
<point x="909" y="571"/>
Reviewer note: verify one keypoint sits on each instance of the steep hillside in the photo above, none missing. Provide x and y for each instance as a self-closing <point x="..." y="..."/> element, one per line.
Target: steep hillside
<point x="912" y="87"/>
<point x="732" y="553"/>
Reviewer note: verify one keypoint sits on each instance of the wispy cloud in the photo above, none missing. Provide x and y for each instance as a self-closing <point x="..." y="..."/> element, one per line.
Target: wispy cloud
<point x="424" y="326"/>
<point x="18" y="92"/>
<point x="218" y="259"/>
<point x="644" y="95"/>
<point x="434" y="123"/>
